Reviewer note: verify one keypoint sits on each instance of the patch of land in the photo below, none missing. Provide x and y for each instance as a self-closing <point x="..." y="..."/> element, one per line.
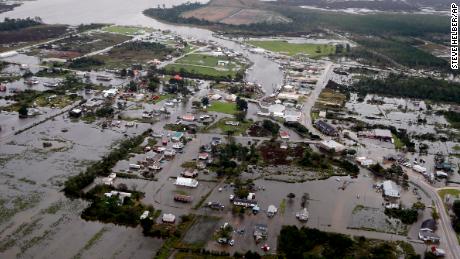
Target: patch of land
<point x="32" y="34"/>
<point x="291" y="49"/>
<point x="235" y="13"/>
<point x="223" y="107"/>
<point x="202" y="65"/>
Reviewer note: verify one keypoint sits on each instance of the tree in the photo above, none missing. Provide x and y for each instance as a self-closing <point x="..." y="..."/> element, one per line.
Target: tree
<point x="205" y="101"/>
<point x="123" y="72"/>
<point x="152" y="86"/>
<point x="241" y="104"/>
<point x="240" y="116"/>
<point x="132" y="86"/>
<point x="271" y="126"/>
<point x="23" y="111"/>
<point x="456" y="208"/>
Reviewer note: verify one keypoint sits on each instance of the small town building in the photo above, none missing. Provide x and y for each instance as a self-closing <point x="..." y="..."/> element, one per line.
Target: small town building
<point x="177" y="136"/>
<point x="186" y="182"/>
<point x="284" y="134"/>
<point x="277" y="110"/>
<point x="121" y="195"/>
<point x="390" y="189"/>
<point x="326" y="128"/>
<point x="260" y="232"/>
<point x="190" y="173"/>
<point x="331" y="146"/>
<point x="203" y="156"/>
<point x="168" y="218"/>
<point x="188" y="117"/>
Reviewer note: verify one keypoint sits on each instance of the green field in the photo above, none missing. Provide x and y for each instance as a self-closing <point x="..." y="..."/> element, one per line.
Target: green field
<point x="237" y="130"/>
<point x="223" y="107"/>
<point x="453" y="192"/>
<point x="205" y="65"/>
<point x="127" y="30"/>
<point x="291" y="49"/>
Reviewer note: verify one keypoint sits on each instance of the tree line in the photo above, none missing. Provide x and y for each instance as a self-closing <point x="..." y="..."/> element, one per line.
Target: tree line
<point x="10" y="24"/>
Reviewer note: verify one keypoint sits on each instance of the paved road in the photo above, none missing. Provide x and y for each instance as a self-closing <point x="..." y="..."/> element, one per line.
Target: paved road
<point x="306" y="110"/>
<point x="448" y="236"/>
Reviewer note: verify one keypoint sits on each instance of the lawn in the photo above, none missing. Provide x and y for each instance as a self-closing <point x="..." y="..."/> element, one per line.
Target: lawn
<point x="223" y="107"/>
<point x="205" y="65"/>
<point x="291" y="49"/>
<point x="237" y="130"/>
<point x="452" y="192"/>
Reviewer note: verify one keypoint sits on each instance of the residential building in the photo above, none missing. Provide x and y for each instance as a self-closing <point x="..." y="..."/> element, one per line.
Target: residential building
<point x="326" y="128"/>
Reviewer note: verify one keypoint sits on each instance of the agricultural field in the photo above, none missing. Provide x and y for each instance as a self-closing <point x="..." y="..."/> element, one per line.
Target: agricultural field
<point x="291" y="49"/>
<point x="235" y="13"/>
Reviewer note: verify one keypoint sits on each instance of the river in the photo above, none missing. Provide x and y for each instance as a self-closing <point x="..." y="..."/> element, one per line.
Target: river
<point x="122" y="12"/>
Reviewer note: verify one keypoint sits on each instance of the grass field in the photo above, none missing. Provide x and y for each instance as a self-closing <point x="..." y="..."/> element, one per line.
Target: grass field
<point x="223" y="107"/>
<point x="127" y="30"/>
<point x="237" y="130"/>
<point x="206" y="65"/>
<point x="291" y="49"/>
<point x="453" y="192"/>
<point x="330" y="98"/>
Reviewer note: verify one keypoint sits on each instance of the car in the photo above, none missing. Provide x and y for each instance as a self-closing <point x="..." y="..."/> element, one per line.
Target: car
<point x="231" y="242"/>
<point x="222" y="241"/>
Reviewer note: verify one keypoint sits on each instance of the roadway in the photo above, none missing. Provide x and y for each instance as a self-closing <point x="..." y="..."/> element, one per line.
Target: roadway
<point x="308" y="105"/>
<point x="449" y="241"/>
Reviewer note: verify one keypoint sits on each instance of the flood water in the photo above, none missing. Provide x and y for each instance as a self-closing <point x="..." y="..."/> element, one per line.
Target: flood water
<point x="74" y="12"/>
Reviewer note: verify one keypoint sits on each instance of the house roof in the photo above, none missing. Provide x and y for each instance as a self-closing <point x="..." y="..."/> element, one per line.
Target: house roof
<point x="168" y="217"/>
<point x="390" y="189"/>
<point x="383" y="133"/>
<point x="189" y="182"/>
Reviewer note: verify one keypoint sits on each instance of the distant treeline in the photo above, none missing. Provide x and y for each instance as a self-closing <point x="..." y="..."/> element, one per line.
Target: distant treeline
<point x="397" y="85"/>
<point x="17" y="24"/>
<point x="307" y="20"/>
<point x="403" y="52"/>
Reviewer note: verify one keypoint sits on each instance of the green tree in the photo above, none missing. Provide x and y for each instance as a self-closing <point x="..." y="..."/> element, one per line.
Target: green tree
<point x="23" y="111"/>
<point x="241" y="104"/>
<point x="205" y="101"/>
